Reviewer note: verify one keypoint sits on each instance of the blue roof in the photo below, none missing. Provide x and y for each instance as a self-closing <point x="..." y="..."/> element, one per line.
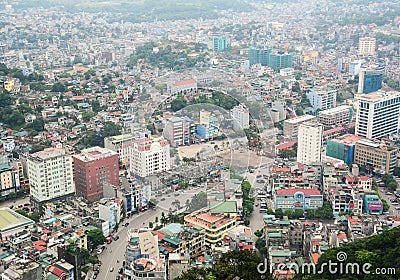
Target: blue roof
<point x="174" y="228"/>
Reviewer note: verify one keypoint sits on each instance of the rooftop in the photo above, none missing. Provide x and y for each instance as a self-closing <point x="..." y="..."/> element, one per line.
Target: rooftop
<point x="300" y="119"/>
<point x="10" y="220"/>
<point x="94" y="153"/>
<point x="292" y="191"/>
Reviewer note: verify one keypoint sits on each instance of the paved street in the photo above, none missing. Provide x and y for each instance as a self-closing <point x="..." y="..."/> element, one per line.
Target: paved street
<point x="15" y="202"/>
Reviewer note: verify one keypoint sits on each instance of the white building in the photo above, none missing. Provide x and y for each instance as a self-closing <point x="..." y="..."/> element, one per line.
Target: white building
<point x="337" y="116"/>
<point x="354" y="67"/>
<point x="366" y="46"/>
<point x="150" y="156"/>
<point x="309" y="143"/>
<point x="50" y="176"/>
<point x="120" y="144"/>
<point x="110" y="211"/>
<point x="378" y="114"/>
<point x="241" y="117"/>
<point x="322" y="98"/>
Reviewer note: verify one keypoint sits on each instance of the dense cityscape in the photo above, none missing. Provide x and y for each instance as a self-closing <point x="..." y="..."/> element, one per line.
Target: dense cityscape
<point x="199" y="139"/>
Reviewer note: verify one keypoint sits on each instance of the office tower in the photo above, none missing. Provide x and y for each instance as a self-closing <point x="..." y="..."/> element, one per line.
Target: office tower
<point x="179" y="131"/>
<point x="50" y="176"/>
<point x="378" y="114"/>
<point x="291" y="126"/>
<point x="241" y="117"/>
<point x="366" y="46"/>
<point x="259" y="55"/>
<point x="219" y="44"/>
<point x="93" y="168"/>
<point x="370" y="79"/>
<point x="150" y="156"/>
<point x="309" y="143"/>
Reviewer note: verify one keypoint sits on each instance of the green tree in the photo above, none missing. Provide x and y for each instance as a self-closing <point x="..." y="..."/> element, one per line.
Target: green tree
<point x="96" y="237"/>
<point x="58" y="87"/>
<point x="198" y="201"/>
<point x="278" y="213"/>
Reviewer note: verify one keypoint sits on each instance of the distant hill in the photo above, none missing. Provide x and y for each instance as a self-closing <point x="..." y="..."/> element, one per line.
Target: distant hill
<point x="381" y="251"/>
<point x="143" y="10"/>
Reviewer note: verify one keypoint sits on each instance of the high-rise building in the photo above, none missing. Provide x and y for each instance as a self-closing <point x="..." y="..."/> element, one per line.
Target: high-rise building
<point x="370" y="79"/>
<point x="280" y="60"/>
<point x="219" y="44"/>
<point x="150" y="156"/>
<point x="93" y="168"/>
<point x="259" y="55"/>
<point x="241" y="117"/>
<point x="8" y="180"/>
<point x="309" y="143"/>
<point x="50" y="176"/>
<point x="342" y="147"/>
<point x="378" y="114"/>
<point x="367" y="46"/>
<point x="179" y="131"/>
<point x="322" y="98"/>
<point x="120" y="144"/>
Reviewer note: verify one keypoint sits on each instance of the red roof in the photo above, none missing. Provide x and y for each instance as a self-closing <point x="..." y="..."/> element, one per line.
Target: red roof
<point x="248" y="247"/>
<point x="286" y="145"/>
<point x="57" y="271"/>
<point x="159" y="234"/>
<point x="40" y="242"/>
<point x="40" y="248"/>
<point x="295" y="190"/>
<point x="46" y="231"/>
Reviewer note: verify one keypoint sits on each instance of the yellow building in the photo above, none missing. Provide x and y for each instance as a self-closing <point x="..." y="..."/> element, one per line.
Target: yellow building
<point x="7" y="180"/>
<point x="9" y="85"/>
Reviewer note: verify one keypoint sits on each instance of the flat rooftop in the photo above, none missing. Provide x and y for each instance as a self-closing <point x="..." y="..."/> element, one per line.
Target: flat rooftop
<point x="10" y="220"/>
<point x="300" y="119"/>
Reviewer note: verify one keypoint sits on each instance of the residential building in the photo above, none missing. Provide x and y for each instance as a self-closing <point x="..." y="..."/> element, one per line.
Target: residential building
<point x="150" y="156"/>
<point x="370" y="78"/>
<point x="354" y="67"/>
<point x="378" y="114"/>
<point x="219" y="44"/>
<point x="120" y="144"/>
<point x="375" y="156"/>
<point x="179" y="131"/>
<point x="215" y="225"/>
<point x="310" y="143"/>
<point x="296" y="198"/>
<point x="342" y="147"/>
<point x="241" y="117"/>
<point x="337" y="116"/>
<point x="367" y="46"/>
<point x="259" y="55"/>
<point x="93" y="168"/>
<point x="23" y="269"/>
<point x="110" y="210"/>
<point x="50" y="176"/>
<point x="280" y="60"/>
<point x="291" y="126"/>
<point x="8" y="180"/>
<point x="322" y="98"/>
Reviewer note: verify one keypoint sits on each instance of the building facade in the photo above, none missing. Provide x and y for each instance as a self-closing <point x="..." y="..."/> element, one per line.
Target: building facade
<point x="309" y="144"/>
<point x="342" y="147"/>
<point x="378" y="114"/>
<point x="150" y="156"/>
<point x="120" y="144"/>
<point x="296" y="198"/>
<point x="322" y="98"/>
<point x="93" y="168"/>
<point x="259" y="55"/>
<point x="375" y="156"/>
<point x="280" y="60"/>
<point x="219" y="44"/>
<point x="50" y="176"/>
<point x="367" y="46"/>
<point x="241" y="117"/>
<point x="8" y="180"/>
<point x="370" y="79"/>
<point x="337" y="116"/>
<point x="291" y="126"/>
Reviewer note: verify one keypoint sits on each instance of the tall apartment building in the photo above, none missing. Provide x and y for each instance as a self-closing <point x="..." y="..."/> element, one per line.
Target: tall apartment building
<point x="280" y="60"/>
<point x="322" y="98"/>
<point x="8" y="180"/>
<point x="179" y="131"/>
<point x="375" y="156"/>
<point x="309" y="144"/>
<point x="367" y="46"/>
<point x="291" y="126"/>
<point x="378" y="114"/>
<point x="259" y="55"/>
<point x="50" y="176"/>
<point x="219" y="44"/>
<point x="241" y="117"/>
<point x="121" y="145"/>
<point x="93" y="168"/>
<point x="150" y="156"/>
<point x="370" y="79"/>
<point x="337" y="116"/>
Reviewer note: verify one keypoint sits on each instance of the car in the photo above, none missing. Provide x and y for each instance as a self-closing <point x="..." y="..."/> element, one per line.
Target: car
<point x="177" y="194"/>
<point x="111" y="269"/>
<point x="397" y="208"/>
<point x="162" y="199"/>
<point x="389" y="193"/>
<point x="127" y="224"/>
<point x="11" y="207"/>
<point x="109" y="241"/>
<point x="256" y="204"/>
<point x="116" y="238"/>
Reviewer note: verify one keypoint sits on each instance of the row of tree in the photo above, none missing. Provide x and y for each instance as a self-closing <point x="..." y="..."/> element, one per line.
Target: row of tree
<point x="248" y="202"/>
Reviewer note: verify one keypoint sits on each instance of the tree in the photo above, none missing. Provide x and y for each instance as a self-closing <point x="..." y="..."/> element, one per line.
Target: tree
<point x="36" y="216"/>
<point x="392" y="185"/>
<point x="198" y="201"/>
<point x="258" y="233"/>
<point x="96" y="237"/>
<point x="279" y="213"/>
<point x="176" y="203"/>
<point x="163" y="219"/>
<point x="58" y="87"/>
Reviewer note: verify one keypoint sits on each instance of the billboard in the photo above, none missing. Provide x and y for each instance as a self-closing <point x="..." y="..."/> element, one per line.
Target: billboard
<point x="375" y="206"/>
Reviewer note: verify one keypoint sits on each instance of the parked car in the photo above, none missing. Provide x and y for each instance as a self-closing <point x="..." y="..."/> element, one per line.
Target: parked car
<point x="116" y="238"/>
<point x="109" y="241"/>
<point x="127" y="224"/>
<point x="162" y="199"/>
<point x="111" y="269"/>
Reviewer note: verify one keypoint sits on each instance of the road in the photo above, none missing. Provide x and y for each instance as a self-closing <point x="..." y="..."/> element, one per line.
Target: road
<point x="392" y="209"/>
<point x="15" y="202"/>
